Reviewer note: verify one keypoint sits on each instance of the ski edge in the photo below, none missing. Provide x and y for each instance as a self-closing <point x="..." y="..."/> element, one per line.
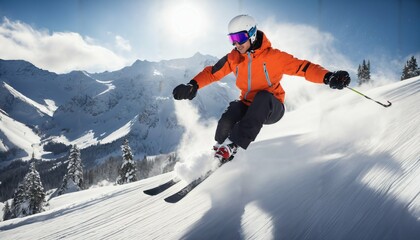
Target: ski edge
<point x="176" y="197"/>
<point x="161" y="188"/>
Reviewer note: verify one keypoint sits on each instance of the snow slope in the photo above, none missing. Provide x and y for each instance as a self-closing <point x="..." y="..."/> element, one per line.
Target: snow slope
<point x="342" y="167"/>
<point x="19" y="135"/>
<point x="44" y="109"/>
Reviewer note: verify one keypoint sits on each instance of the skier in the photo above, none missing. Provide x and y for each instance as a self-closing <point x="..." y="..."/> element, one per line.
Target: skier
<point x="258" y="69"/>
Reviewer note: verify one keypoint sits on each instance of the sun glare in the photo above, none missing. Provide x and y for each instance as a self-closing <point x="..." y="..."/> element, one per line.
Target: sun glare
<point x="185" y="21"/>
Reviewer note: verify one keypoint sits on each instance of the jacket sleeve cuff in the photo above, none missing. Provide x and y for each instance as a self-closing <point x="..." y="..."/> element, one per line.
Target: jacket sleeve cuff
<point x="327" y="78"/>
<point x="194" y="83"/>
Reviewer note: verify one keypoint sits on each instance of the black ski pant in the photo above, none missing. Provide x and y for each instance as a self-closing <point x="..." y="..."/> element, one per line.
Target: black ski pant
<point x="241" y="123"/>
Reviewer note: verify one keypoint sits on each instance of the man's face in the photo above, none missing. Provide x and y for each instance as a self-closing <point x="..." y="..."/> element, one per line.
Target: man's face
<point x="243" y="48"/>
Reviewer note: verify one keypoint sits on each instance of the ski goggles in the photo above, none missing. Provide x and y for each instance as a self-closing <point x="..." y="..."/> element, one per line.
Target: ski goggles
<point x="239" y="37"/>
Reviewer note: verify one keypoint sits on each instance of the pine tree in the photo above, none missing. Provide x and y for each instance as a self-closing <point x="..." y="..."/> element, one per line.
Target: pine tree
<point x="128" y="167"/>
<point x="19" y="204"/>
<point x="7" y="212"/>
<point x="34" y="190"/>
<point x="29" y="197"/>
<point x="410" y="69"/>
<point x="363" y="73"/>
<point x="73" y="180"/>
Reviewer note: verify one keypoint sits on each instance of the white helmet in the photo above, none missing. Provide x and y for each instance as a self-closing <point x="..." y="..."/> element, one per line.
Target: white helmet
<point x="243" y="23"/>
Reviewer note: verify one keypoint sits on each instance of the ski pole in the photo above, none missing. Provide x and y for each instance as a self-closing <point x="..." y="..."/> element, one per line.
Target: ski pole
<point x="384" y="105"/>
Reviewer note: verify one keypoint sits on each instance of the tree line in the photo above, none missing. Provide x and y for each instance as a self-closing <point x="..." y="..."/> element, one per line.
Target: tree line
<point x="409" y="70"/>
<point x="30" y="197"/>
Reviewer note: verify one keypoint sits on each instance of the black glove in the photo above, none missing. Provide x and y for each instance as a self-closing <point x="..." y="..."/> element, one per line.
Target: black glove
<point x="337" y="80"/>
<point x="186" y="91"/>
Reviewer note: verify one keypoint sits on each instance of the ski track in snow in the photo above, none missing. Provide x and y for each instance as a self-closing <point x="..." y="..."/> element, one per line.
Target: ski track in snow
<point x="353" y="174"/>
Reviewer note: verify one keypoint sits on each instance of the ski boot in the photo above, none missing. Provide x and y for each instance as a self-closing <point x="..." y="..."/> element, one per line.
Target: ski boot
<point x="226" y="151"/>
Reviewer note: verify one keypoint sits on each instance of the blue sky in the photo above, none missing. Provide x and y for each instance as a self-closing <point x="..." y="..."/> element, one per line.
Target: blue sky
<point x="386" y="32"/>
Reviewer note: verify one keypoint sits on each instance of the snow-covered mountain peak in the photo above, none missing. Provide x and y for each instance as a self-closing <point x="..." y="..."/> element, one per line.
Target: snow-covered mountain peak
<point x="16" y="65"/>
<point x="90" y="109"/>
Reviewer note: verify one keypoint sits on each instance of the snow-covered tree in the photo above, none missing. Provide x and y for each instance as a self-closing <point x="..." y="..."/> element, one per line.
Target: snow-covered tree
<point x="35" y="190"/>
<point x="363" y="72"/>
<point x="7" y="212"/>
<point x="410" y="69"/>
<point x="73" y="180"/>
<point x="19" y="204"/>
<point x="29" y="197"/>
<point x="128" y="167"/>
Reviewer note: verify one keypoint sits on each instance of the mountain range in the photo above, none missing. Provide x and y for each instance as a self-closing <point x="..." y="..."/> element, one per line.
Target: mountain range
<point x="42" y="112"/>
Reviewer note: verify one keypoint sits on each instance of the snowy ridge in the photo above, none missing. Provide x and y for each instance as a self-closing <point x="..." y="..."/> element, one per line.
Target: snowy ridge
<point x="95" y="109"/>
<point x="44" y="109"/>
<point x="352" y="173"/>
<point x="119" y="133"/>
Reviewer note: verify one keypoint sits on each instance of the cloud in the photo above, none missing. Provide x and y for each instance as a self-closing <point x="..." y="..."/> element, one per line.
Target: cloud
<point x="122" y="43"/>
<point x="58" y="51"/>
<point x="306" y="42"/>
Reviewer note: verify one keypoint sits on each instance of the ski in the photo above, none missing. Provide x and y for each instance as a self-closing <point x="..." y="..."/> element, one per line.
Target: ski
<point x="176" y="197"/>
<point x="183" y="192"/>
<point x="161" y="188"/>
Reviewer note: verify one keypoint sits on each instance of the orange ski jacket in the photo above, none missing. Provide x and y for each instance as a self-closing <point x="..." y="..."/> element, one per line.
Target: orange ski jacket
<point x="260" y="69"/>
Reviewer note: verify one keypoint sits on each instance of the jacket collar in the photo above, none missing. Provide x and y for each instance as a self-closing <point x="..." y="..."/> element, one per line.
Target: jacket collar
<point x="260" y="44"/>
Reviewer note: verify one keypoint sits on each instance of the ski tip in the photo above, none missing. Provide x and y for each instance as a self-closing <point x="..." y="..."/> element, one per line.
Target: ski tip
<point x="170" y="201"/>
<point x="150" y="193"/>
<point x="156" y="190"/>
<point x="174" y="198"/>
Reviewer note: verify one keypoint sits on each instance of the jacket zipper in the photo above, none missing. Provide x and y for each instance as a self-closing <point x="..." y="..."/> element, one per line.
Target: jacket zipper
<point x="249" y="74"/>
<point x="267" y="77"/>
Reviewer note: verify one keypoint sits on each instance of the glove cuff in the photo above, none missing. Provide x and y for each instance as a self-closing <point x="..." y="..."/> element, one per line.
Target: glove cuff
<point x="327" y="78"/>
<point x="194" y="83"/>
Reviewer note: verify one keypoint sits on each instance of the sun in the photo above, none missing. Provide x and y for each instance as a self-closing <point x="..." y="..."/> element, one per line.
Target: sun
<point x="185" y="21"/>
